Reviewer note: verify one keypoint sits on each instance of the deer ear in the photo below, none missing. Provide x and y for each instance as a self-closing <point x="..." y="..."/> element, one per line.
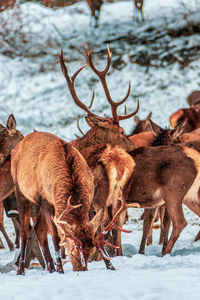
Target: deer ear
<point x="174" y="118"/>
<point x="90" y="123"/>
<point x="136" y="119"/>
<point x="179" y="130"/>
<point x="96" y="221"/>
<point x="155" y="128"/>
<point x="11" y="123"/>
<point x="95" y="121"/>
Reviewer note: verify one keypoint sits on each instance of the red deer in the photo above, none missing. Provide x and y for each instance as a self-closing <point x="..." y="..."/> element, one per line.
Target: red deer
<point x="97" y="146"/>
<point x="191" y="115"/>
<point x="95" y="8"/>
<point x="52" y="174"/>
<point x="170" y="178"/>
<point x="9" y="137"/>
<point x="157" y="137"/>
<point x="194" y="98"/>
<point x="192" y="140"/>
<point x="139" y="7"/>
<point x="4" y="4"/>
<point x="141" y="125"/>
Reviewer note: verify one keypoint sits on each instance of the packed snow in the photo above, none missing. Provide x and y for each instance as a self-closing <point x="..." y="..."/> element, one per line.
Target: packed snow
<point x="33" y="88"/>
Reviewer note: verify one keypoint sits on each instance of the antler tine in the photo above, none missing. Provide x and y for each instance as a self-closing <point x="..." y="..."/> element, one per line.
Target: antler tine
<point x="99" y="239"/>
<point x="70" y="83"/>
<point x="78" y="126"/>
<point x="94" y="69"/>
<point x="102" y="76"/>
<point x="131" y="114"/>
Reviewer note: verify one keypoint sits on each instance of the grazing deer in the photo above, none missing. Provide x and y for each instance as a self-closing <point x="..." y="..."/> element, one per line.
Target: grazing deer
<point x="139" y="8"/>
<point x="52" y="174"/>
<point x="9" y="137"/>
<point x="98" y="146"/>
<point x="95" y="8"/>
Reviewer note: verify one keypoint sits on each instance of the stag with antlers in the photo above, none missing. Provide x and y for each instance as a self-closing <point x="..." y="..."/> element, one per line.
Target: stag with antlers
<point x="52" y="174"/>
<point x="99" y="146"/>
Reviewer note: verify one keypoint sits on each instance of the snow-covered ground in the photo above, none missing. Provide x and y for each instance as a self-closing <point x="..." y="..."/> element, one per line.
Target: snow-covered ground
<point x="33" y="88"/>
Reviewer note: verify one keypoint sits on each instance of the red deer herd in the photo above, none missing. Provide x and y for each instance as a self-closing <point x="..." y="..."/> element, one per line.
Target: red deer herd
<point x="83" y="188"/>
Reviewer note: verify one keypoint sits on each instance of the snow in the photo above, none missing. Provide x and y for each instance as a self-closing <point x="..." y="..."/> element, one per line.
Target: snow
<point x="34" y="90"/>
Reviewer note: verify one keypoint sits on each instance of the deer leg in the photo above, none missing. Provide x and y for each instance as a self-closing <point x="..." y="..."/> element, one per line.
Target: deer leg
<point x="41" y="231"/>
<point x="2" y="228"/>
<point x="149" y="217"/>
<point x="16" y="224"/>
<point x="117" y="234"/>
<point x="195" y="207"/>
<point x="24" y="217"/>
<point x="1" y="244"/>
<point x="55" y="238"/>
<point x="10" y="244"/>
<point x="175" y="212"/>
<point x="165" y="225"/>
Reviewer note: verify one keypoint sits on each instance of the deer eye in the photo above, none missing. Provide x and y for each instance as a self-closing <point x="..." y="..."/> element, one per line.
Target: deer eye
<point x="122" y="132"/>
<point x="190" y="145"/>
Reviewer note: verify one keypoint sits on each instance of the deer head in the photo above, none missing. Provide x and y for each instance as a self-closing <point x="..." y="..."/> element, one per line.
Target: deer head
<point x="166" y="136"/>
<point x="9" y="138"/>
<point x="103" y="129"/>
<point x="191" y="139"/>
<point x="81" y="240"/>
<point x="194" y="99"/>
<point x="141" y="125"/>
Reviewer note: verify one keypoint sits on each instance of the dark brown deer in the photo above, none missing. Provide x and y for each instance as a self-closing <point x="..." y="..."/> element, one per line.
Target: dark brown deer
<point x="97" y="144"/>
<point x="9" y="137"/>
<point x="95" y="8"/>
<point x="171" y="178"/>
<point x="52" y="174"/>
<point x="139" y="7"/>
<point x="194" y="99"/>
<point x="156" y="137"/>
<point x="191" y="115"/>
<point x="141" y="125"/>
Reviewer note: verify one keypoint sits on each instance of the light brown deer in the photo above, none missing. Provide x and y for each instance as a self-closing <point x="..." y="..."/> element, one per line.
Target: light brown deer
<point x="97" y="146"/>
<point x="95" y="8"/>
<point x="52" y="174"/>
<point x="9" y="137"/>
<point x="139" y="7"/>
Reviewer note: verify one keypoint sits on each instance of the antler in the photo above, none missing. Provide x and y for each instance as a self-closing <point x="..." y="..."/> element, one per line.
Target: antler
<point x="70" y="83"/>
<point x="99" y="239"/>
<point x="102" y="77"/>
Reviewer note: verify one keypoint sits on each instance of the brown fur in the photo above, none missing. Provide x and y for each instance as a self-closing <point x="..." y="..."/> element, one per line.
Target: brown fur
<point x="9" y="137"/>
<point x="167" y="179"/>
<point x="141" y="125"/>
<point x="191" y="115"/>
<point x="194" y="99"/>
<point x="47" y="171"/>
